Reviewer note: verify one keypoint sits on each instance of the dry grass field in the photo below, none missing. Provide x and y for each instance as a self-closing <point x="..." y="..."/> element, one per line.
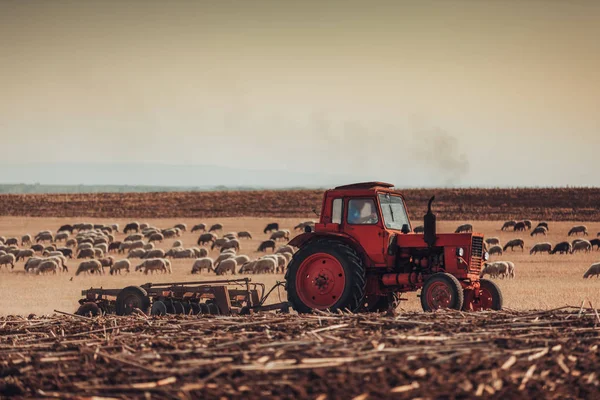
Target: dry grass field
<point x="542" y="281"/>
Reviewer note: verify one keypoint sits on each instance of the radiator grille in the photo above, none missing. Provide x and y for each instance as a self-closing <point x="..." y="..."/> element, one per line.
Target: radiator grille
<point x="476" y="254"/>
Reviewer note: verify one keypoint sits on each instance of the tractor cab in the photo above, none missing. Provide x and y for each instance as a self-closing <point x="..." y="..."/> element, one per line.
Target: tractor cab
<point x="363" y="253"/>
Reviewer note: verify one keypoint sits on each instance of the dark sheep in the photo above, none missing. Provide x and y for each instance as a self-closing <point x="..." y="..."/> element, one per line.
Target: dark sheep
<point x="419" y="229"/>
<point x="508" y="224"/>
<point x="114" y="246"/>
<point x="514" y="243"/>
<point x="199" y="227"/>
<point x="216" y="227"/>
<point x="539" y="230"/>
<point x="464" y="228"/>
<point x="266" y="245"/>
<point x="527" y="224"/>
<point x="520" y="226"/>
<point x="206" y="238"/>
<point x="132" y="227"/>
<point x="562" y="248"/>
<point x="38" y="248"/>
<point x="544" y="224"/>
<point x="595" y="242"/>
<point x="67" y="252"/>
<point x="273" y="226"/>
<point x="66" y="228"/>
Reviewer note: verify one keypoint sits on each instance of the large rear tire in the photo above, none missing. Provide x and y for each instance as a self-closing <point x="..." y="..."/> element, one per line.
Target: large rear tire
<point x="326" y="274"/>
<point x="442" y="290"/>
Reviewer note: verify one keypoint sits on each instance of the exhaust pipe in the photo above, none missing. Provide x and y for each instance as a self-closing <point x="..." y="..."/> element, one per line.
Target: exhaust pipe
<point x="429" y="235"/>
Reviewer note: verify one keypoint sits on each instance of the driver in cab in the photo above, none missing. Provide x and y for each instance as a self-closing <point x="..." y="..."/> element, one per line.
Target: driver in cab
<point x="361" y="212"/>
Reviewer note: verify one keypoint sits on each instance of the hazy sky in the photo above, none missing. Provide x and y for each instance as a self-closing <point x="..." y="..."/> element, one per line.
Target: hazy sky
<point x="447" y="92"/>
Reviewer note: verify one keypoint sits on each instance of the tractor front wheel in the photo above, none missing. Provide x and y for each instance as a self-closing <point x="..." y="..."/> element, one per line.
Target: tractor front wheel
<point x="490" y="297"/>
<point x="326" y="274"/>
<point x="442" y="290"/>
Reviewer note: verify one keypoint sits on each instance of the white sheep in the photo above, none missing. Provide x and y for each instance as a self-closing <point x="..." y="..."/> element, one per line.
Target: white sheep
<point x="593" y="270"/>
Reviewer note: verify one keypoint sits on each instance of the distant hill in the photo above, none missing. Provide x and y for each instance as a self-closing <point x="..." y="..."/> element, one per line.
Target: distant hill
<point x="123" y="177"/>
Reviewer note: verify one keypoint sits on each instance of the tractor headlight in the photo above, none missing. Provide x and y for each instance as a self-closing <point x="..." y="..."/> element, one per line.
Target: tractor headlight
<point x="486" y="256"/>
<point x="460" y="252"/>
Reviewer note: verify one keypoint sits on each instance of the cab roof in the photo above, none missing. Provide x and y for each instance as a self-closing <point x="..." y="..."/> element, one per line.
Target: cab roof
<point x="366" y="185"/>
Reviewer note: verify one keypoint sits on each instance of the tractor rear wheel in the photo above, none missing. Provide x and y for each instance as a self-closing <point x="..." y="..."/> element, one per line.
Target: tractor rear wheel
<point x="442" y="290"/>
<point x="490" y="297"/>
<point x="326" y="274"/>
<point x="130" y="298"/>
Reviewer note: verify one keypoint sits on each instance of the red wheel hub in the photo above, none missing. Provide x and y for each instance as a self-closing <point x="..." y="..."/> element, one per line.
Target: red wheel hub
<point x="320" y="281"/>
<point x="439" y="295"/>
<point x="484" y="302"/>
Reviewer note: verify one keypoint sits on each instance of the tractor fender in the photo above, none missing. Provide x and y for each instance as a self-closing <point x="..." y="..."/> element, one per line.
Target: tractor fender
<point x="305" y="238"/>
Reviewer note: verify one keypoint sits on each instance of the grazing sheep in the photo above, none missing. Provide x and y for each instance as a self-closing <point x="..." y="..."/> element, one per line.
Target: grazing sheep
<point x="544" y="247"/>
<point x="578" y="229"/>
<point x="282" y="234"/>
<point x="206" y="238"/>
<point x="38" y="248"/>
<point x="98" y="253"/>
<point x="218" y="243"/>
<point x="493" y="269"/>
<point x="44" y="237"/>
<point x="86" y="253"/>
<point x="199" y="227"/>
<point x="595" y="242"/>
<point x="223" y="256"/>
<point x="137" y="245"/>
<point x="114" y="246"/>
<point x="464" y="228"/>
<point x="492" y="241"/>
<point x="544" y="224"/>
<point x="115" y="227"/>
<point x="184" y="253"/>
<point x="66" y="228"/>
<point x="148" y="246"/>
<point x="177" y="243"/>
<point x="131" y="227"/>
<point x="124" y="246"/>
<point x="495" y="250"/>
<point x="230" y="235"/>
<point x="47" y="266"/>
<point x="66" y="252"/>
<point x="202" y="263"/>
<point x="244" y="235"/>
<point x="273" y="226"/>
<point x="7" y="259"/>
<point x="26" y="253"/>
<point x="156" y="237"/>
<point x="102" y="246"/>
<point x="202" y="252"/>
<point x="155" y="264"/>
<point x="143" y="226"/>
<point x="562" y="248"/>
<point x="241" y="259"/>
<point x="280" y="260"/>
<point x="100" y="240"/>
<point x="520" y="227"/>
<point x="232" y="244"/>
<point x="285" y="249"/>
<point x="71" y="243"/>
<point x="582" y="245"/>
<point x="230" y="251"/>
<point x="247" y="268"/>
<point x="92" y="266"/>
<point x="33" y="263"/>
<point x="419" y="229"/>
<point x="61" y="236"/>
<point x="288" y="256"/>
<point x="119" y="266"/>
<point x="508" y="224"/>
<point x="216" y="227"/>
<point x="593" y="270"/>
<point x="303" y="225"/>
<point x="134" y="237"/>
<point x="228" y="265"/>
<point x="107" y="262"/>
<point x="267" y="244"/>
<point x="25" y="240"/>
<point x="265" y="265"/>
<point x="172" y="232"/>
<point x="83" y="246"/>
<point x="514" y="243"/>
<point x="182" y="227"/>
<point x="12" y="241"/>
<point x="527" y="224"/>
<point x="539" y="230"/>
<point x="511" y="269"/>
<point x="136" y="253"/>
<point x="156" y="253"/>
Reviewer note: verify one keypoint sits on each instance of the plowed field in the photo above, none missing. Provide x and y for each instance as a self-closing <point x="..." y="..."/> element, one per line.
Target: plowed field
<point x="563" y="204"/>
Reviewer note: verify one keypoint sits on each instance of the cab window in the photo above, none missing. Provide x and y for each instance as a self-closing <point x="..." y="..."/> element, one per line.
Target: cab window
<point x="362" y="212"/>
<point x="336" y="212"/>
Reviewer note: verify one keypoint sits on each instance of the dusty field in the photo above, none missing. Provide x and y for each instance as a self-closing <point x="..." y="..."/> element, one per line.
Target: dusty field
<point x="562" y="204"/>
<point x="542" y="281"/>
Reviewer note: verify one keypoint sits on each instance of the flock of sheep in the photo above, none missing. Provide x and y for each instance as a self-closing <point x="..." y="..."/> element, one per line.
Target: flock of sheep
<point x="503" y="268"/>
<point x="96" y="246"/>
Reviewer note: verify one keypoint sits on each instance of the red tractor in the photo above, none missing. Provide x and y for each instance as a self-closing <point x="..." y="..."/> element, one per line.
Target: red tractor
<point x="362" y="254"/>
